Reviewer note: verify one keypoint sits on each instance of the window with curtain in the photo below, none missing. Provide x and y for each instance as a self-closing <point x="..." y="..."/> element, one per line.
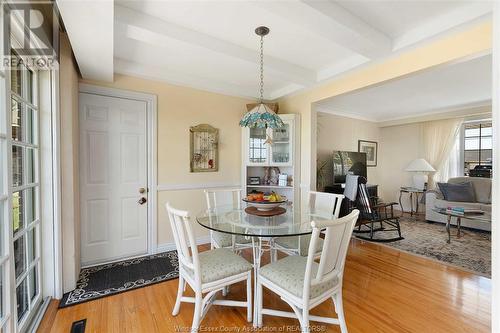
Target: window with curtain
<point x="478" y="142"/>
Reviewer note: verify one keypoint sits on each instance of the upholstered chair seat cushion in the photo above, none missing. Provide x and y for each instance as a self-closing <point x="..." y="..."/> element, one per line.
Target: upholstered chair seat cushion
<point x="218" y="264"/>
<point x="225" y="240"/>
<point x="288" y="273"/>
<point x="292" y="243"/>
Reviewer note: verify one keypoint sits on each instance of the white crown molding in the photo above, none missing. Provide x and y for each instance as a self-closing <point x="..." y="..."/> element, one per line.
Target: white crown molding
<point x="482" y="108"/>
<point x="344" y="114"/>
<point x="471" y="109"/>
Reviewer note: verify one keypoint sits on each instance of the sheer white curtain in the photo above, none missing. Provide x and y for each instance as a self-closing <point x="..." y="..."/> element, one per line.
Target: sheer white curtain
<point x="438" y="140"/>
<point x="451" y="167"/>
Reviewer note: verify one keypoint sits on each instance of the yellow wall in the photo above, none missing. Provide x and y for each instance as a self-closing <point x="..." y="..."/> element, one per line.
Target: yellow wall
<point x="402" y="143"/>
<point x="178" y="109"/>
<point x="342" y="133"/>
<point x="472" y="42"/>
<point x="398" y="146"/>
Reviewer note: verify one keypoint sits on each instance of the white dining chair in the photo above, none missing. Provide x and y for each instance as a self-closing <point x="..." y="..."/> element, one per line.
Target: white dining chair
<point x="207" y="272"/>
<point x="299" y="245"/>
<point x="304" y="283"/>
<point x="229" y="197"/>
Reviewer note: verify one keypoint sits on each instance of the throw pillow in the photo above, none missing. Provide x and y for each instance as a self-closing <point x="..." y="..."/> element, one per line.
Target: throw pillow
<point x="463" y="192"/>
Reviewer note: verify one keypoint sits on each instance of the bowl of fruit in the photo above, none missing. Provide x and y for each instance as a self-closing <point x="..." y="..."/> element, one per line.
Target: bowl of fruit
<point x="264" y="202"/>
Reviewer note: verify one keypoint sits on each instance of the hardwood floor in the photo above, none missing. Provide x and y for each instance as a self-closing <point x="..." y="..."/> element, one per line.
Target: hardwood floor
<point x="384" y="291"/>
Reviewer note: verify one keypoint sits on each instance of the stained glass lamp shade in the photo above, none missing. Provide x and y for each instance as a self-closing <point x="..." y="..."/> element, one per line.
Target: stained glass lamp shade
<point x="261" y="116"/>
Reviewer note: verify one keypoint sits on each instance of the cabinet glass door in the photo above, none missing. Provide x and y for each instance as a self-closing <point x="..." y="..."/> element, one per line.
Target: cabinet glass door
<point x="282" y="145"/>
<point x="257" y="148"/>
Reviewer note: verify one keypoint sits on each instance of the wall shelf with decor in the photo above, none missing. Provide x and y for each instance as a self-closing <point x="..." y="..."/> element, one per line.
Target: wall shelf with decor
<point x="204" y="150"/>
<point x="268" y="153"/>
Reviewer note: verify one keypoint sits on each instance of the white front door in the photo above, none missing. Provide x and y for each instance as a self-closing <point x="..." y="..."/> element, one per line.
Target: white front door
<point x="113" y="178"/>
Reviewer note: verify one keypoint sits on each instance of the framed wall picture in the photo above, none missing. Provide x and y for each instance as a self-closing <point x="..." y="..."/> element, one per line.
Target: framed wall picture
<point x="371" y="150"/>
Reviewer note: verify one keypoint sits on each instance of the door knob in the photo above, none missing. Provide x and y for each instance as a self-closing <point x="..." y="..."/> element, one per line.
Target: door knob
<point x="142" y="190"/>
<point x="142" y="201"/>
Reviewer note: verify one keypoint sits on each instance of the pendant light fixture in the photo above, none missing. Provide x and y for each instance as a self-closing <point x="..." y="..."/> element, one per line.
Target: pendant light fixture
<point x="262" y="115"/>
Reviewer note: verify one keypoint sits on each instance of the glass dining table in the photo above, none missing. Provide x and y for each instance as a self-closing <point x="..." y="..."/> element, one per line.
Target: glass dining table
<point x="261" y="230"/>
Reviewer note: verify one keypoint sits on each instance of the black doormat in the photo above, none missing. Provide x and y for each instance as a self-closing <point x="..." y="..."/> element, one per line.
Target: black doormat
<point x="110" y="279"/>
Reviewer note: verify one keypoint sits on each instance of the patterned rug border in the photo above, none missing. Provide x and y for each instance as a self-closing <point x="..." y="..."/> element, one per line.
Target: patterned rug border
<point x="452" y="265"/>
<point x="66" y="296"/>
<point x="460" y="268"/>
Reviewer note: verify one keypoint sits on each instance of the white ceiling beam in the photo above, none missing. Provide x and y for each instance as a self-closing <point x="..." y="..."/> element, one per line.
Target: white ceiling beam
<point x="286" y="90"/>
<point x="156" y="32"/>
<point x="128" y="64"/>
<point x="342" y="66"/>
<point x="90" y="30"/>
<point x="333" y="22"/>
<point x="448" y="22"/>
<point x="151" y="72"/>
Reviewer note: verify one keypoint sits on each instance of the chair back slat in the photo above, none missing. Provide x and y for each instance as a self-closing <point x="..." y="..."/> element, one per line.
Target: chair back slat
<point x="331" y="263"/>
<point x="363" y="203"/>
<point x="219" y="197"/>
<point x="184" y="239"/>
<point x="226" y="197"/>
<point x="325" y="202"/>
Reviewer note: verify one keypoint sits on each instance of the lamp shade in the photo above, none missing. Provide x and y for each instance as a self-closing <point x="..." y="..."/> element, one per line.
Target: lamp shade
<point x="420" y="165"/>
<point x="261" y="116"/>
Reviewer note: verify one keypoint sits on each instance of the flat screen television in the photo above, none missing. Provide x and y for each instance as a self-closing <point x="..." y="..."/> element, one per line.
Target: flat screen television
<point x="348" y="162"/>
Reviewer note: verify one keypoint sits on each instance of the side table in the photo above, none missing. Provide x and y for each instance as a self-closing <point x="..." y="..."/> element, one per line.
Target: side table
<point x="413" y="192"/>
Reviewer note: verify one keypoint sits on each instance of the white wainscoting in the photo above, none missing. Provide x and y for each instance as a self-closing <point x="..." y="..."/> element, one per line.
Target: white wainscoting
<point x="188" y="197"/>
<point x="185" y="187"/>
<point x="171" y="246"/>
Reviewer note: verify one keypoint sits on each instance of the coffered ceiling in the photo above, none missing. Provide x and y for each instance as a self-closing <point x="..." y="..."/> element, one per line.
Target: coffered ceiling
<point x="211" y="45"/>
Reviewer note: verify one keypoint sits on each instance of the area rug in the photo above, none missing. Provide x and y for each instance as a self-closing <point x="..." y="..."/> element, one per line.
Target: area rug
<point x="110" y="279"/>
<point x="472" y="251"/>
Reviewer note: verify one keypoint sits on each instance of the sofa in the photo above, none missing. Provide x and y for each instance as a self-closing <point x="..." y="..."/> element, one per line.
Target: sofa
<point x="482" y="190"/>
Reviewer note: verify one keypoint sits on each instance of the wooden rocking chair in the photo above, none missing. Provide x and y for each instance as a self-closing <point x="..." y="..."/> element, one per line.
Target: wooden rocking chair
<point x="375" y="216"/>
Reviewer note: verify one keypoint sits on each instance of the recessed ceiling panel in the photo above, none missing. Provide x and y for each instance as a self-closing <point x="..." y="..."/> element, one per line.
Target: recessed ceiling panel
<point x="235" y="21"/>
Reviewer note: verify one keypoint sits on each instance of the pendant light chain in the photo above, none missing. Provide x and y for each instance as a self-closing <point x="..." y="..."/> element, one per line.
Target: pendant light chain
<point x="261" y="69"/>
<point x="261" y="115"/>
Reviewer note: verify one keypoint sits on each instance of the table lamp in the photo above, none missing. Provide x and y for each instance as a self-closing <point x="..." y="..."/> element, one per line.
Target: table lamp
<point x="420" y="167"/>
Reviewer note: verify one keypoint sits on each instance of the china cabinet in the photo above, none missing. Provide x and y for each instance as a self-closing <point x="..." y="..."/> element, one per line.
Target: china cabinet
<point x="270" y="158"/>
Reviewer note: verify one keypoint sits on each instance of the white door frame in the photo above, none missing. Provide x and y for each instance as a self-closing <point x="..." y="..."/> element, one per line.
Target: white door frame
<point x="151" y="114"/>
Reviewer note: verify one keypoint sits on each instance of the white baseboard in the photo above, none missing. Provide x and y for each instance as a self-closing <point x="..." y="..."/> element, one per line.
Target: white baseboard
<point x="171" y="246"/>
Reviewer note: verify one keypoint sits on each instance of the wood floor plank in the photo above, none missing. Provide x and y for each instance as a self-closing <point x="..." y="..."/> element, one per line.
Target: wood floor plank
<point x="385" y="290"/>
